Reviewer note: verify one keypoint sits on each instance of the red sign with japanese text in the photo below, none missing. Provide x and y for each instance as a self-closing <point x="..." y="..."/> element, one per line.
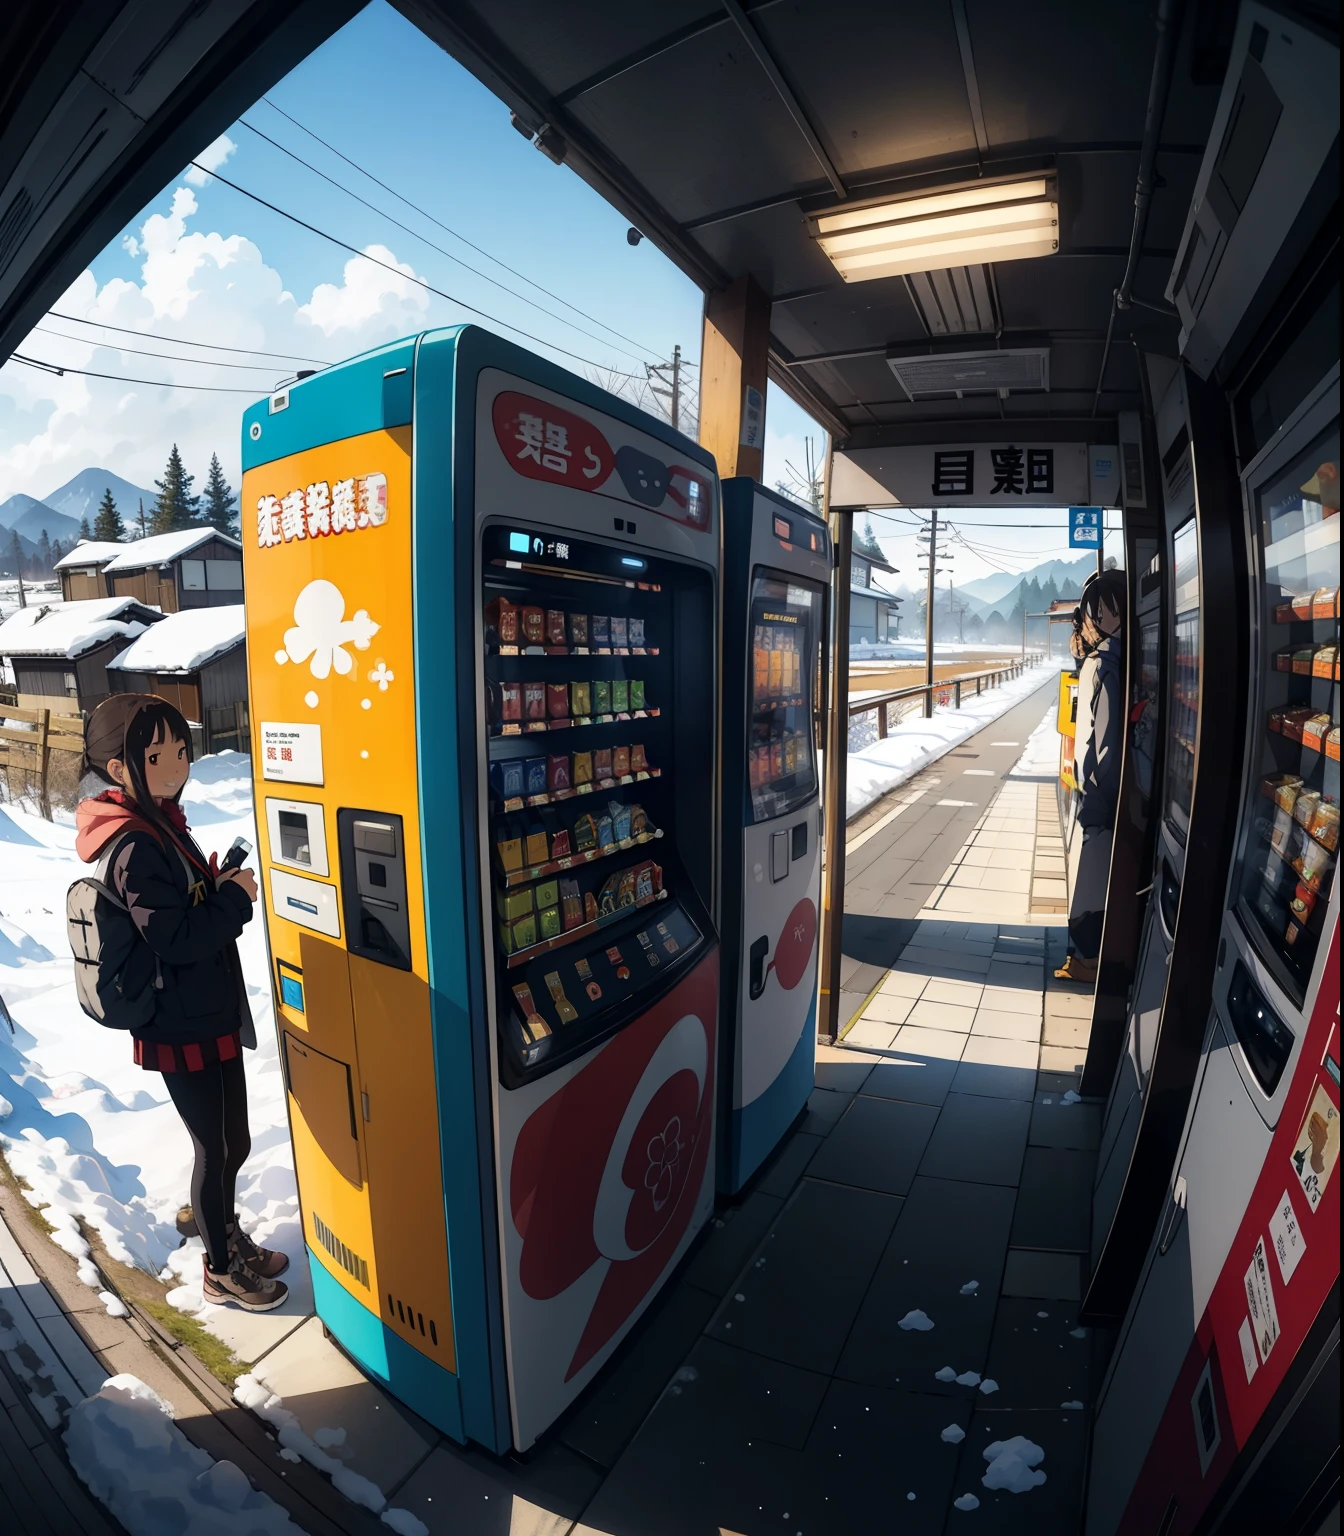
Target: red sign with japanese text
<point x="547" y="442"/>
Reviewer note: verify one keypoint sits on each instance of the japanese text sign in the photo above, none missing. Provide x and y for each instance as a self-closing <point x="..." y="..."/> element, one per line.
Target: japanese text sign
<point x="1084" y="527"/>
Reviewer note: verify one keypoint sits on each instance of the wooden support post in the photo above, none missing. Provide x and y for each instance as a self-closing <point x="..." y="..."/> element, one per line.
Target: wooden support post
<point x="43" y="760"/>
<point x="734" y="357"/>
<point x="837" y="763"/>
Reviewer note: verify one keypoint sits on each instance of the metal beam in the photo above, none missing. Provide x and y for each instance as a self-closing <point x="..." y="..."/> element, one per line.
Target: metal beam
<point x="784" y="91"/>
<point x="968" y="70"/>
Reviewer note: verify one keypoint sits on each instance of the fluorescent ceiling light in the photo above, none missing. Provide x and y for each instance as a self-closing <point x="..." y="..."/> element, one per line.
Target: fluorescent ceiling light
<point x="1002" y="221"/>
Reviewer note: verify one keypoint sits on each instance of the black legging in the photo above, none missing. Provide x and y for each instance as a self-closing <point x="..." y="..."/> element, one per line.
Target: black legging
<point x="213" y="1106"/>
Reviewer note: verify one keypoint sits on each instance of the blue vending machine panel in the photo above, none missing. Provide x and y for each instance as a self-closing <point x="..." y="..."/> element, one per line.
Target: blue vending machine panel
<point x="776" y="571"/>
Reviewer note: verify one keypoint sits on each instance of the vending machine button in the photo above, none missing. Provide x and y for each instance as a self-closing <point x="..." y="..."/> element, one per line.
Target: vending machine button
<point x="779" y="855"/>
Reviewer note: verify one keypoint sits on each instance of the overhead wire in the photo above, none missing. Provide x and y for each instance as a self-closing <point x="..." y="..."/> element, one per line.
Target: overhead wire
<point x="205" y="362"/>
<point x="217" y="346"/>
<point x="409" y="277"/>
<point x="424" y="239"/>
<point x="89" y="373"/>
<point x="457" y="235"/>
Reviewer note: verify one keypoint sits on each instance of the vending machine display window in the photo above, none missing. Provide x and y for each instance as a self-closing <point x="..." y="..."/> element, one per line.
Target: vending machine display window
<point x="1185" y="678"/>
<point x="786" y="619"/>
<point x="1290" y="833"/>
<point x="599" y="785"/>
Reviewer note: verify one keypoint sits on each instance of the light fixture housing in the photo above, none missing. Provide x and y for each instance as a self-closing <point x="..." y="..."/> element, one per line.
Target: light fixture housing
<point x="1005" y="219"/>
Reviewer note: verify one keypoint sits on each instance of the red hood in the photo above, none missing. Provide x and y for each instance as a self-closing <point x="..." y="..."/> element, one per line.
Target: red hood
<point x="103" y="817"/>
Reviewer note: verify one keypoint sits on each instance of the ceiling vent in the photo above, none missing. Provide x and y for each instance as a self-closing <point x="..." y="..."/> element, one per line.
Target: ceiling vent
<point x="956" y="302"/>
<point x="1015" y="370"/>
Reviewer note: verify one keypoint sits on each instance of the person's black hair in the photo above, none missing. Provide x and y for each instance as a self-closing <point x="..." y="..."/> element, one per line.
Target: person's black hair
<point x="1110" y="587"/>
<point x="154" y="724"/>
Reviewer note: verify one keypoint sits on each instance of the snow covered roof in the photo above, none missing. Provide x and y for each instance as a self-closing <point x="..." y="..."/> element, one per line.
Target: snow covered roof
<point x="184" y="641"/>
<point x="161" y="548"/>
<point x="88" y="552"/>
<point x="70" y="629"/>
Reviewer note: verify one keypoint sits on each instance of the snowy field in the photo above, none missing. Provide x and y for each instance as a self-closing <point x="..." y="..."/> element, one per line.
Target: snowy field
<point x="915" y="742"/>
<point x="95" y="1136"/>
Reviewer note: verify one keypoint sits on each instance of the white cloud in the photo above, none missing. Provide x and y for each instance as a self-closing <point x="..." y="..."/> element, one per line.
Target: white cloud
<point x="210" y="159"/>
<point x="200" y="285"/>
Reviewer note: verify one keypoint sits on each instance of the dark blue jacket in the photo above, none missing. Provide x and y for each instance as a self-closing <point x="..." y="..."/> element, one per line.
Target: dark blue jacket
<point x="1098" y="768"/>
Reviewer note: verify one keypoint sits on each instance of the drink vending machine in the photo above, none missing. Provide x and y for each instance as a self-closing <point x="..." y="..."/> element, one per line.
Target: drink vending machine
<point x="1227" y="1362"/>
<point x="482" y="641"/>
<point x="776" y="571"/>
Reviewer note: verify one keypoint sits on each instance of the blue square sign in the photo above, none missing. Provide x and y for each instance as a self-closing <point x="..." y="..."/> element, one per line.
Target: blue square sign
<point x="1084" y="527"/>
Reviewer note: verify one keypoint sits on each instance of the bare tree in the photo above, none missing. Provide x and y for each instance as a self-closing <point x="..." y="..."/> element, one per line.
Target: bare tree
<point x="806" y="485"/>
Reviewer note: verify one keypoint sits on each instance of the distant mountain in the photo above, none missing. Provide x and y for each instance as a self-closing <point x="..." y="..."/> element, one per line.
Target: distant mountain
<point x="990" y="589"/>
<point x="1068" y="576"/>
<point x="29" y="524"/>
<point x="80" y="497"/>
<point x="13" y="509"/>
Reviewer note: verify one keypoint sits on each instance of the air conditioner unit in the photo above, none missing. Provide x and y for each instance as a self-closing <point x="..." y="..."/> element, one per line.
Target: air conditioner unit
<point x="1276" y="125"/>
<point x="1010" y="371"/>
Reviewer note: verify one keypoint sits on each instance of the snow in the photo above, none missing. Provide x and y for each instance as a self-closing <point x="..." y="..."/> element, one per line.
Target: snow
<point x="88" y="552"/>
<point x="100" y="1140"/>
<point x="969" y="1379"/>
<point x="70" y="629"/>
<point x="161" y="548"/>
<point x="954" y="1434"/>
<point x="1072" y="1098"/>
<point x="989" y="1385"/>
<point x="915" y="742"/>
<point x="1011" y="1464"/>
<point x="970" y="1288"/>
<point x="184" y="641"/>
<point x="125" y="1448"/>
<point x="966" y="1501"/>
<point x="916" y="1319"/>
<point x="946" y="1374"/>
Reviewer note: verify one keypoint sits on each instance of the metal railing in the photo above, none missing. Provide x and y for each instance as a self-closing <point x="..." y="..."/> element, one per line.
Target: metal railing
<point x="951" y="691"/>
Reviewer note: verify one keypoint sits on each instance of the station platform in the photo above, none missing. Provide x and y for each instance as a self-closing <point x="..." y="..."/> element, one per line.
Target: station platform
<point x="895" y="1295"/>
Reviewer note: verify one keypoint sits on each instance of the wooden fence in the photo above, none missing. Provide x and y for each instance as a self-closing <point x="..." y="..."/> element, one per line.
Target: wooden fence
<point x="40" y="753"/>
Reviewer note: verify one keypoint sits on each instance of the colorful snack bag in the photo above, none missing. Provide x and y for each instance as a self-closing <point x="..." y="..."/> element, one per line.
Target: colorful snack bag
<point x="534" y="626"/>
<point x="567" y="1011"/>
<point x="560" y="844"/>
<point x="509" y="846"/>
<point x="636" y="693"/>
<point x="548" y="922"/>
<point x="581" y="700"/>
<point x="547" y="894"/>
<point x="510" y="701"/>
<point x="602" y="764"/>
<point x="620" y="761"/>
<point x="571" y="903"/>
<point x="585" y="834"/>
<point x="625" y="890"/>
<point x="583" y="768"/>
<point x="557" y="772"/>
<point x="599" y="630"/>
<point x="605" y="836"/>
<point x="578" y="629"/>
<point x="555" y="626"/>
<point x="638" y="762"/>
<point x="534" y="777"/>
<point x="619" y="634"/>
<point x="536" y="1028"/>
<point x="590" y="912"/>
<point x="639" y="821"/>
<point x="601" y="697"/>
<point x="557" y="701"/>
<point x="620" y="695"/>
<point x="512" y="905"/>
<point x="620" y="821"/>
<point x="606" y="897"/>
<point x="637" y="633"/>
<point x="535" y="847"/>
<point x="507" y="778"/>
<point x="534" y="701"/>
<point x="502" y="616"/>
<point x="519" y="934"/>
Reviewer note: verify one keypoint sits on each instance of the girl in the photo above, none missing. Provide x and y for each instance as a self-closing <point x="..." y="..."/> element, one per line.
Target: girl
<point x="187" y="917"/>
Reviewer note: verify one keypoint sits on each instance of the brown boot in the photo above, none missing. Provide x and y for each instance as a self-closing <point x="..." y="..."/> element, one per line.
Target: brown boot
<point x="264" y="1262"/>
<point x="242" y="1288"/>
<point x="1075" y="968"/>
<point x="186" y="1223"/>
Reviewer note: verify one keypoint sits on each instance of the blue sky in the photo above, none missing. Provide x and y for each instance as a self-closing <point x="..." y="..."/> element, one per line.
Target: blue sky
<point x="203" y="263"/>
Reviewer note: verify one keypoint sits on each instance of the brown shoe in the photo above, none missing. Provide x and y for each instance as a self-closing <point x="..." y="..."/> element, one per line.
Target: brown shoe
<point x="242" y="1288"/>
<point x="264" y="1262"/>
<point x="1075" y="968"/>
<point x="186" y="1224"/>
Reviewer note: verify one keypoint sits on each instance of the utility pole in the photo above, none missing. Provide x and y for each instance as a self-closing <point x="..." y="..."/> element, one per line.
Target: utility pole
<point x="657" y="384"/>
<point x="676" y="387"/>
<point x="928" y="615"/>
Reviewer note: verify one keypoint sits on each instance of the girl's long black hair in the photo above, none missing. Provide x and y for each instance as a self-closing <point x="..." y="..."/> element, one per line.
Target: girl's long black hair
<point x="154" y="724"/>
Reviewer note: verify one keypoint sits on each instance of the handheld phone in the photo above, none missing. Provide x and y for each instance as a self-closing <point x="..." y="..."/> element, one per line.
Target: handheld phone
<point x="238" y="851"/>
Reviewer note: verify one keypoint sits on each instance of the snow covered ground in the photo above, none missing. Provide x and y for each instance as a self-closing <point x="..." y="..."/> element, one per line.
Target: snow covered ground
<point x="95" y="1136"/>
<point x="916" y="742"/>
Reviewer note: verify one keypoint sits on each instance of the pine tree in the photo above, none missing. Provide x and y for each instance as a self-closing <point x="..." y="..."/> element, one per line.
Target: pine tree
<point x="219" y="507"/>
<point x="108" y="525"/>
<point x="43" y="551"/>
<point x="14" y="558"/>
<point x="57" y="552"/>
<point x="174" y="507"/>
<point x="84" y="528"/>
<point x="144" y="527"/>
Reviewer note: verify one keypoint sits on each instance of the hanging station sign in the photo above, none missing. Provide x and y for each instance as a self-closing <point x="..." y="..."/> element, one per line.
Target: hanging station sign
<point x="977" y="475"/>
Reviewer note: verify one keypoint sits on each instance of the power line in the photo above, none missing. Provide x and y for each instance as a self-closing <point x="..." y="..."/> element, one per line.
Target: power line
<point x="279" y="357"/>
<point x="120" y="378"/>
<point x="416" y="235"/>
<point x="480" y="250"/>
<point x="409" y="277"/>
<point x="205" y="362"/>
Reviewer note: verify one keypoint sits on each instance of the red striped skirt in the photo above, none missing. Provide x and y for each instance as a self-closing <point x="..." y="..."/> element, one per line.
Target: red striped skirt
<point x="157" y="1056"/>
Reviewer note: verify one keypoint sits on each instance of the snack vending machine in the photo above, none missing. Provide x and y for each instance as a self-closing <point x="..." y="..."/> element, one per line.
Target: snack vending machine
<point x="482" y="602"/>
<point x="777" y="566"/>
<point x="1225" y="1378"/>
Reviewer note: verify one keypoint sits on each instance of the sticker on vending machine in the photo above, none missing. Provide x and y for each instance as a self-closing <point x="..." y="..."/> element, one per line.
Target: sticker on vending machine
<point x="1260" y="1300"/>
<point x="1317" y="1148"/>
<point x="1249" y="1359"/>
<point x="1286" y="1235"/>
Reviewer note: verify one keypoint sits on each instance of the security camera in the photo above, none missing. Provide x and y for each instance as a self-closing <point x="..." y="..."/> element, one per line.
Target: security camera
<point x="633" y="236"/>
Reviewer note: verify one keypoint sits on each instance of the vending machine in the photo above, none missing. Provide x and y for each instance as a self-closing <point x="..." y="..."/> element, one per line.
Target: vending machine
<point x="1228" y="1359"/>
<point x="776" y="572"/>
<point x="482" y="604"/>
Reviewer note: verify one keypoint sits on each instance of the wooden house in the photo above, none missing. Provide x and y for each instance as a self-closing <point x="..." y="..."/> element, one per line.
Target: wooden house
<point x="59" y="653"/>
<point x="192" y="568"/>
<point x="197" y="660"/>
<point x="81" y="571"/>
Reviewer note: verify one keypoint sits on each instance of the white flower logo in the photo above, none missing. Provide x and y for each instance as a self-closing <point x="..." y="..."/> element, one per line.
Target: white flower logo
<point x="663" y="1153"/>
<point x="382" y="674"/>
<point x="321" y="631"/>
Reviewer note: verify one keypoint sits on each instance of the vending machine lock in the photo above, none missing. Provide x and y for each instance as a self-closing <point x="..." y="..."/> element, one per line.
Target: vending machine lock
<point x="373" y="886"/>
